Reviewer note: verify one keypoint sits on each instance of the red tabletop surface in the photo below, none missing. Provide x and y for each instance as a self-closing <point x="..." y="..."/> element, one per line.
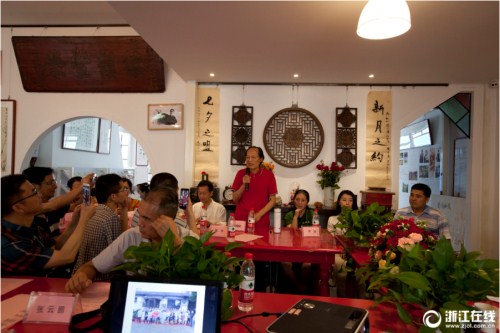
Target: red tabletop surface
<point x="383" y="318"/>
<point x="359" y="254"/>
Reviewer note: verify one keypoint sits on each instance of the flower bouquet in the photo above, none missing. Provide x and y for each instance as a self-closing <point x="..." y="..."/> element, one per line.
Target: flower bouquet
<point x="416" y="273"/>
<point x="329" y="175"/>
<point x="268" y="166"/>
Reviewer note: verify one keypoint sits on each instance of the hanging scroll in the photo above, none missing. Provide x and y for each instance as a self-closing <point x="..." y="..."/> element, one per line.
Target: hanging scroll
<point x="206" y="152"/>
<point x="378" y="140"/>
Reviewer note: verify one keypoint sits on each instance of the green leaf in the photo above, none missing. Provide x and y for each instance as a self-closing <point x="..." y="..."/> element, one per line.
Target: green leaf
<point x="403" y="314"/>
<point x="443" y="255"/>
<point x="414" y="280"/>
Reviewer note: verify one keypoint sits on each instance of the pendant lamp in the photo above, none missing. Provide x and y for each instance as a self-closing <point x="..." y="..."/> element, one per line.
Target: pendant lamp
<point x="382" y="19"/>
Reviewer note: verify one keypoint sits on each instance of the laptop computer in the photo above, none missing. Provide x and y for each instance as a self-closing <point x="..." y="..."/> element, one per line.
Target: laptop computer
<point x="162" y="305"/>
<point x="320" y="317"/>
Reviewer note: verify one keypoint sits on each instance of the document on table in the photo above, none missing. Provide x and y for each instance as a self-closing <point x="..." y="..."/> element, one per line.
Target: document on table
<point x="246" y="237"/>
<point x="13" y="309"/>
<point x="93" y="297"/>
<point x="11" y="284"/>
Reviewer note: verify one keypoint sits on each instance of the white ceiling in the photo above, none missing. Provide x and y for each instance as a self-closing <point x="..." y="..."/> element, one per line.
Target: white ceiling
<point x="268" y="41"/>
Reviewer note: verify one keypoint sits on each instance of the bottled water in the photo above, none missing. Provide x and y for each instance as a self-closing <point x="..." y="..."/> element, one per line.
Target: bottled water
<point x="231" y="226"/>
<point x="315" y="221"/>
<point x="246" y="293"/>
<point x="251" y="222"/>
<point x="203" y="220"/>
<point x="277" y="220"/>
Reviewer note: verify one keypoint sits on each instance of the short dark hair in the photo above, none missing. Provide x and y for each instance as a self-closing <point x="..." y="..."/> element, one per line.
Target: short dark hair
<point x="11" y="191"/>
<point x="72" y="180"/>
<point x="304" y="192"/>
<point x="143" y="187"/>
<point x="166" y="199"/>
<point x="338" y="209"/>
<point x="105" y="186"/>
<point x="164" y="179"/>
<point x="36" y="175"/>
<point x="422" y="187"/>
<point x="129" y="183"/>
<point x="207" y="183"/>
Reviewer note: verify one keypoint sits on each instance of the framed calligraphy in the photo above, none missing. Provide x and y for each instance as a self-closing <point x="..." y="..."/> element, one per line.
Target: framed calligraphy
<point x="8" y="136"/>
<point x="165" y="116"/>
<point x="141" y="159"/>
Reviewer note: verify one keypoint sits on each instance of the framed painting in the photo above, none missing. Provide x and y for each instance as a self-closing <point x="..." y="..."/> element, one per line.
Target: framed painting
<point x="81" y="134"/>
<point x="104" y="146"/>
<point x="165" y="116"/>
<point x="8" y="136"/>
<point x="141" y="159"/>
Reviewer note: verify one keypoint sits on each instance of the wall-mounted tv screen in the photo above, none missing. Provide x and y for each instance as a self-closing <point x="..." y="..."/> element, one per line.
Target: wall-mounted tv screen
<point x="415" y="135"/>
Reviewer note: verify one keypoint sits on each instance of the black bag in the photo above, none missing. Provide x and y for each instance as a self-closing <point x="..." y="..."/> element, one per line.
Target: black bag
<point x="104" y="312"/>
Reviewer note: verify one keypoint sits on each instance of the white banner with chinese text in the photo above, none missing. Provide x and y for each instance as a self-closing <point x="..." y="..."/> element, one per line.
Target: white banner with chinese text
<point x="206" y="150"/>
<point x="378" y="139"/>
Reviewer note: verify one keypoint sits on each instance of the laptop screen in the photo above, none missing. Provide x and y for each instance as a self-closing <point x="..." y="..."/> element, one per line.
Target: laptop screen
<point x="153" y="305"/>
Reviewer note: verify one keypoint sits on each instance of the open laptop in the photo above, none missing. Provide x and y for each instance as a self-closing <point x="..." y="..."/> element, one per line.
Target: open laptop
<point x="164" y="305"/>
<point x="320" y="317"/>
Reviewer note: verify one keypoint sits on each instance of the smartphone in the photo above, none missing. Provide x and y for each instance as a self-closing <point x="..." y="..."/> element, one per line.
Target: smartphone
<point x="184" y="199"/>
<point x="86" y="194"/>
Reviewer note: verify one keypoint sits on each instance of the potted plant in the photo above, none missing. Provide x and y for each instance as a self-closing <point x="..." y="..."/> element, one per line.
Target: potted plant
<point x="329" y="177"/>
<point x="362" y="226"/>
<point x="415" y="272"/>
<point x="193" y="259"/>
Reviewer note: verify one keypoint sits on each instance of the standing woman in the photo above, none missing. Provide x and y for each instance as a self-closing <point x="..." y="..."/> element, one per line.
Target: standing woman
<point x="254" y="187"/>
<point x="345" y="199"/>
<point x="302" y="215"/>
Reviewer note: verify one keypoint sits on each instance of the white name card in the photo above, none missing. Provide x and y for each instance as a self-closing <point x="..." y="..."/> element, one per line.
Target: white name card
<point x="240" y="225"/>
<point x="311" y="231"/>
<point x="46" y="307"/>
<point x="219" y="230"/>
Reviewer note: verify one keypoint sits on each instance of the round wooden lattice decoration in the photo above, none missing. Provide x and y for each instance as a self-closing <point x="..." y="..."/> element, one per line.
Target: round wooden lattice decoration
<point x="293" y="137"/>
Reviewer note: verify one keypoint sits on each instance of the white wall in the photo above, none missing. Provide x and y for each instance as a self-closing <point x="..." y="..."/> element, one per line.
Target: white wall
<point x="172" y="151"/>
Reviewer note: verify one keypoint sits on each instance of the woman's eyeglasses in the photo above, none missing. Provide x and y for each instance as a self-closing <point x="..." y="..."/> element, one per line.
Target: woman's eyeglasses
<point x="35" y="192"/>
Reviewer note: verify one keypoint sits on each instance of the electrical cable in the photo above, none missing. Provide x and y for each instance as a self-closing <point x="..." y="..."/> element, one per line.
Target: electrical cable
<point x="263" y="314"/>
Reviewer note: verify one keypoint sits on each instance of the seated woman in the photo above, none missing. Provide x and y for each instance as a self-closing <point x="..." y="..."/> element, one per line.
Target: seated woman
<point x="298" y="274"/>
<point x="345" y="199"/>
<point x="302" y="214"/>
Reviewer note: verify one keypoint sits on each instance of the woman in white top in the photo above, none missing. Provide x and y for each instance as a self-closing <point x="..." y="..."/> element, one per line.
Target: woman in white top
<point x="345" y="199"/>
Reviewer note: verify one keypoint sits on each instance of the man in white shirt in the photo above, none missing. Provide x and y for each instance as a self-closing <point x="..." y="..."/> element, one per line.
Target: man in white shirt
<point x="156" y="216"/>
<point x="215" y="211"/>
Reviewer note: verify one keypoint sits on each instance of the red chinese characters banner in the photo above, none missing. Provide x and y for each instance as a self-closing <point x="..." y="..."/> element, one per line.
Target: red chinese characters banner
<point x="378" y="139"/>
<point x="206" y="150"/>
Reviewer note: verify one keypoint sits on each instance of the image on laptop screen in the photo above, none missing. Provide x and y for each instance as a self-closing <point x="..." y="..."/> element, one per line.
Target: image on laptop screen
<point x="152" y="306"/>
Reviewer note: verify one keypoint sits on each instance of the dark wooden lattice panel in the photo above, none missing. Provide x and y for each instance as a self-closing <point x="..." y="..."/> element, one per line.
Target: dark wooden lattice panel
<point x="241" y="133"/>
<point x="293" y="137"/>
<point x="346" y="137"/>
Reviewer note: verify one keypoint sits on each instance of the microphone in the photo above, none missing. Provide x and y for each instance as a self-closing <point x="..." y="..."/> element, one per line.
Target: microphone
<point x="247" y="186"/>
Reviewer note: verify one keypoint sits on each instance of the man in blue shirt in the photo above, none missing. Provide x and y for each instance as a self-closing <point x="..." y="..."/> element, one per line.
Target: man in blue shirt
<point x="435" y="220"/>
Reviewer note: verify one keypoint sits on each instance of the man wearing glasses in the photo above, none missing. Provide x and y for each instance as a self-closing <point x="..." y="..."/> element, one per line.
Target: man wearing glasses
<point x="109" y="221"/>
<point x="27" y="247"/>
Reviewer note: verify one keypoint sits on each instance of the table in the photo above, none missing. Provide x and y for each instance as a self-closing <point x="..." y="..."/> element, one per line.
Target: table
<point x="359" y="254"/>
<point x="383" y="318"/>
<point x="290" y="246"/>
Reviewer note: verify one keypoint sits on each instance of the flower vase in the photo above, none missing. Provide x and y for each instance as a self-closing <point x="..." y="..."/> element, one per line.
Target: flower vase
<point x="329" y="196"/>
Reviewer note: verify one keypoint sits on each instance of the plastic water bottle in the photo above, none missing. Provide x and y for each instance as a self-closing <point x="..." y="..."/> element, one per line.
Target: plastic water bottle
<point x="277" y="220"/>
<point x="231" y="226"/>
<point x="251" y="222"/>
<point x="203" y="220"/>
<point x="246" y="293"/>
<point x="315" y="221"/>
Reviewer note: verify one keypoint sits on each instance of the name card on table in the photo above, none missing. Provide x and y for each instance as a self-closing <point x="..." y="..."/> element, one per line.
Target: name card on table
<point x="240" y="225"/>
<point x="219" y="230"/>
<point x="311" y="231"/>
<point x="47" y="307"/>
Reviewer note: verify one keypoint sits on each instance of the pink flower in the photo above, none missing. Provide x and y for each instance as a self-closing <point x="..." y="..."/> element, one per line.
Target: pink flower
<point x="417" y="238"/>
<point x="378" y="255"/>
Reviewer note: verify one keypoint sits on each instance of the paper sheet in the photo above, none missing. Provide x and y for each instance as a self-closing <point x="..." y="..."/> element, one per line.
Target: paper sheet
<point x="247" y="237"/>
<point x="13" y="309"/>
<point x="93" y="297"/>
<point x="11" y="284"/>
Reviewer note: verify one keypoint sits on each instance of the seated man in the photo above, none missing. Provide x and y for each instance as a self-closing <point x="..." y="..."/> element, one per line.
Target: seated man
<point x="27" y="247"/>
<point x="106" y="225"/>
<point x="215" y="211"/>
<point x="435" y="220"/>
<point x="156" y="216"/>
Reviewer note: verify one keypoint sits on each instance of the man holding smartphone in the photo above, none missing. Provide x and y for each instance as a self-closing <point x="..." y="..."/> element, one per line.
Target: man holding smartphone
<point x="215" y="211"/>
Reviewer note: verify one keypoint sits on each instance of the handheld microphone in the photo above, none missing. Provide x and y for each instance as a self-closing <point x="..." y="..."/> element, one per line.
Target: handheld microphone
<point x="247" y="186"/>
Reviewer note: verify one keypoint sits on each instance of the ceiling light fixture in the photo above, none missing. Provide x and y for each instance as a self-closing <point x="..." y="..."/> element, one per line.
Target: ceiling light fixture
<point x="382" y="19"/>
<point x="295" y="75"/>
<point x="212" y="74"/>
<point x="371" y="76"/>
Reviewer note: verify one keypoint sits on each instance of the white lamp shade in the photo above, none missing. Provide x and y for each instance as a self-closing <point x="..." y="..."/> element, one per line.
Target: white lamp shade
<point x="381" y="19"/>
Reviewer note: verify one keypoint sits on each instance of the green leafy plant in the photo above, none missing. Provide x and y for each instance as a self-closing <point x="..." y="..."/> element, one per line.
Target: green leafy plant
<point x="436" y="279"/>
<point x="193" y="259"/>
<point x="362" y="226"/>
